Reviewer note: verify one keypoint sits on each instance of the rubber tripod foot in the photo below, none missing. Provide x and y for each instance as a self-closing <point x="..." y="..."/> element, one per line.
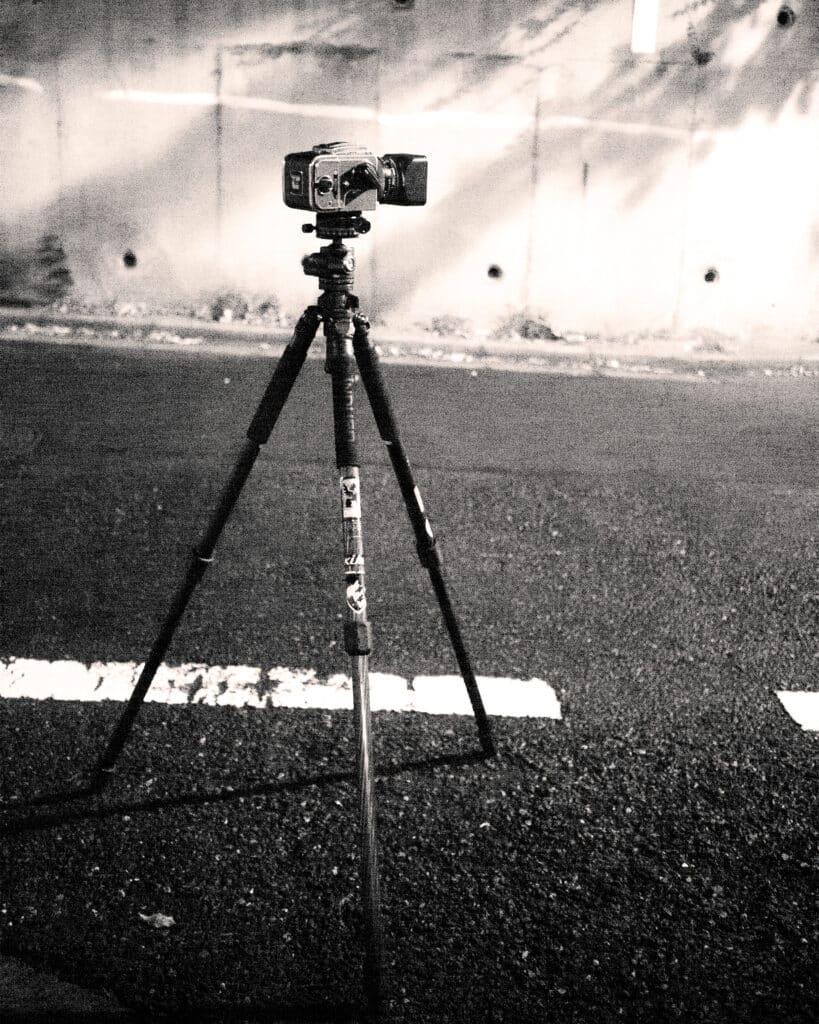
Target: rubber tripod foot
<point x="488" y="746"/>
<point x="100" y="778"/>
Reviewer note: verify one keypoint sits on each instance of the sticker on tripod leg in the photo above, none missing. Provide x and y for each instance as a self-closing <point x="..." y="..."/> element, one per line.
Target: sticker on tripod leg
<point x="422" y="510"/>
<point x="350" y="499"/>
<point x="356" y="597"/>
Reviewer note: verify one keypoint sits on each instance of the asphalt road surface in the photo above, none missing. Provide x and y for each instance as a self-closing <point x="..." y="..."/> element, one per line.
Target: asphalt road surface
<point x="647" y="547"/>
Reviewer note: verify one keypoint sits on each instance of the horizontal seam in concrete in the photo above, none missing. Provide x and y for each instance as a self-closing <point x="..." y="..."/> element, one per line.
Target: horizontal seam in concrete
<point x="354" y="113"/>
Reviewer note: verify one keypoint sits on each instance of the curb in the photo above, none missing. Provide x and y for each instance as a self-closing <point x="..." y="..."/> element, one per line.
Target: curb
<point x="687" y="357"/>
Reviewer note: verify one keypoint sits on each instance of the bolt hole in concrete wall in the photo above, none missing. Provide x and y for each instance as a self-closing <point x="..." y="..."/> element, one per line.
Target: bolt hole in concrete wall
<point x="712" y="275"/>
<point x="786" y="17"/>
<point x="129" y="259"/>
<point x="495" y="271"/>
<point x="403" y="3"/>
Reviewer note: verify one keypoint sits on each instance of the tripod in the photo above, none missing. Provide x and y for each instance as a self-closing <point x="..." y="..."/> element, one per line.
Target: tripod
<point x="348" y="346"/>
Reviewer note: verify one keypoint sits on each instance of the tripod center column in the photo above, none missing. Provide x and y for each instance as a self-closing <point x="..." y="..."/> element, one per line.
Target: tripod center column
<point x="334" y="266"/>
<point x="356" y="627"/>
<point x="335" y="304"/>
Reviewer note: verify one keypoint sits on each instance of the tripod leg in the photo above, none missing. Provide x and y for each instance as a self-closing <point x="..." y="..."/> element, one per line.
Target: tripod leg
<point x="258" y="433"/>
<point x="357" y="642"/>
<point x="428" y="552"/>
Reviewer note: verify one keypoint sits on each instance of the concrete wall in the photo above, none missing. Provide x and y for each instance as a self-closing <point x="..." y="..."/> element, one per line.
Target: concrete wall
<point x="602" y="186"/>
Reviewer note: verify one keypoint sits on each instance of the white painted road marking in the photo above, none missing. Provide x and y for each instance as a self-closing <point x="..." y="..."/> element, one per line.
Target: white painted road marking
<point x="514" y="698"/>
<point x="802" y="706"/>
<point x="245" y="686"/>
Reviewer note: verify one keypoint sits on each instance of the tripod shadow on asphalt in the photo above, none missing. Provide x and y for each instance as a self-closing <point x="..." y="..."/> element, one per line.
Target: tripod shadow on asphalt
<point x="86" y="803"/>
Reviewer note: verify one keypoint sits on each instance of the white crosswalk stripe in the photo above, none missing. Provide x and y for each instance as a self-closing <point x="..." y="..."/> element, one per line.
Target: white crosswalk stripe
<point x="246" y="686"/>
<point x="802" y="706"/>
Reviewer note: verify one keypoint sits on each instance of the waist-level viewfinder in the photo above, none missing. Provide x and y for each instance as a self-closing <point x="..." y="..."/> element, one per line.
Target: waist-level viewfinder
<point x="337" y="177"/>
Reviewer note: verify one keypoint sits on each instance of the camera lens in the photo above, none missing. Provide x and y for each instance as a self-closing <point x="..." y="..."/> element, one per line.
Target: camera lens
<point x="324" y="185"/>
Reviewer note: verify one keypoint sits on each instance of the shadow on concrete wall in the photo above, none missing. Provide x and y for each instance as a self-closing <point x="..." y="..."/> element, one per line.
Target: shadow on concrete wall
<point x="779" y="64"/>
<point x="735" y="60"/>
<point x="695" y="83"/>
<point x="703" y="81"/>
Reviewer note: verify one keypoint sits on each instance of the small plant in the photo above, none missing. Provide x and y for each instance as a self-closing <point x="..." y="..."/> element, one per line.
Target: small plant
<point x="268" y="309"/>
<point x="524" y="325"/>
<point x="448" y="326"/>
<point x="35" y="276"/>
<point x="229" y="306"/>
<point x="52" y="259"/>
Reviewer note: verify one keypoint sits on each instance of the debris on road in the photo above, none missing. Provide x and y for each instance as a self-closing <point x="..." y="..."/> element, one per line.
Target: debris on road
<point x="157" y="920"/>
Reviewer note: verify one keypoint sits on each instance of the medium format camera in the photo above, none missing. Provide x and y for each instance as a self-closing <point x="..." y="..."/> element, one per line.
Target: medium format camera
<point x="337" y="177"/>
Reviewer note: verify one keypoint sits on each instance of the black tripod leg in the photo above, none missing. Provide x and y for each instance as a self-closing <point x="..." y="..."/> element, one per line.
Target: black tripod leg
<point x="258" y="433"/>
<point x="428" y="552"/>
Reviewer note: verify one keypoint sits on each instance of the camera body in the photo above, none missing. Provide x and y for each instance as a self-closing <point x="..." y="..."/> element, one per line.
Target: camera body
<point x="337" y="177"/>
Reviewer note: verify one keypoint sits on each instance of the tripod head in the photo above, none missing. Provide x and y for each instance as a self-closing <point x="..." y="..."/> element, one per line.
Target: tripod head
<point x="338" y="225"/>
<point x="334" y="266"/>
